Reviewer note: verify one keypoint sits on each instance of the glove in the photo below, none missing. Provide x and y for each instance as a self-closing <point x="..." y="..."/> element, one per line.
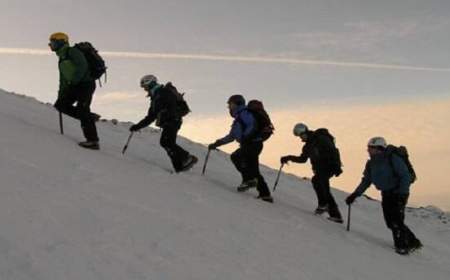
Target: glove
<point x="213" y="146"/>
<point x="134" y="128"/>
<point x="285" y="159"/>
<point x="338" y="171"/>
<point x="351" y="198"/>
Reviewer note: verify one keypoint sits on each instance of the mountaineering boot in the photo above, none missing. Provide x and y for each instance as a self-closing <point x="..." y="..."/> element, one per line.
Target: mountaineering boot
<point x="321" y="209"/>
<point x="415" y="245"/>
<point x="93" y="145"/>
<point x="188" y="163"/>
<point x="402" y="251"/>
<point x="95" y="117"/>
<point x="336" y="219"/>
<point x="267" y="198"/>
<point x="335" y="215"/>
<point x="246" y="185"/>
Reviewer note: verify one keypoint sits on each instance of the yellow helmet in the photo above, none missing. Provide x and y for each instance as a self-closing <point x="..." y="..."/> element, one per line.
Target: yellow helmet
<point x="59" y="36"/>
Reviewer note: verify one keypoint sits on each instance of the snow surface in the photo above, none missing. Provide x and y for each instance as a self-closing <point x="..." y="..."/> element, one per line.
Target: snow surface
<point x="69" y="213"/>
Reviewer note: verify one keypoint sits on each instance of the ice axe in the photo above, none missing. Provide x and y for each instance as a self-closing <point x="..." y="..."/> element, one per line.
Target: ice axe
<point x="278" y="177"/>
<point x="206" y="162"/>
<point x="348" y="216"/>
<point x="128" y="142"/>
<point x="61" y="127"/>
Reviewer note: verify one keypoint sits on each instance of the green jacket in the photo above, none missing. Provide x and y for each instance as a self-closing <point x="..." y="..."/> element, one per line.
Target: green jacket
<point x="73" y="68"/>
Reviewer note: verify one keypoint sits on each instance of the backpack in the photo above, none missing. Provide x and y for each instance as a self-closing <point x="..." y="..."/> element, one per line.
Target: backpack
<point x="95" y="62"/>
<point x="335" y="156"/>
<point x="182" y="106"/>
<point x="402" y="152"/>
<point x="264" y="126"/>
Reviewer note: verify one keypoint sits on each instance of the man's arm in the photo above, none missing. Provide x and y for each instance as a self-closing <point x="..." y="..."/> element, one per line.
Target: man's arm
<point x="145" y="121"/>
<point x="365" y="181"/>
<point x="303" y="156"/>
<point x="230" y="137"/>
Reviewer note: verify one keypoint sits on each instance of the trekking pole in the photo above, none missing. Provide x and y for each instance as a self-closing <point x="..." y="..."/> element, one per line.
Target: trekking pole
<point x="61" y="127"/>
<point x="348" y="217"/>
<point x="128" y="142"/>
<point x="206" y="162"/>
<point x="278" y="177"/>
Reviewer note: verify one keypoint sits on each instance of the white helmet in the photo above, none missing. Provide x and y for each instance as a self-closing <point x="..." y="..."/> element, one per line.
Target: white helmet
<point x="377" y="142"/>
<point x="300" y="128"/>
<point x="147" y="80"/>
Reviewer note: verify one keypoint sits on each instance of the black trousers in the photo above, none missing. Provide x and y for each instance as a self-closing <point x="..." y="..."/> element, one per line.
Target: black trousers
<point x="82" y="95"/>
<point x="169" y="142"/>
<point x="394" y="216"/>
<point x="246" y="161"/>
<point x="321" y="185"/>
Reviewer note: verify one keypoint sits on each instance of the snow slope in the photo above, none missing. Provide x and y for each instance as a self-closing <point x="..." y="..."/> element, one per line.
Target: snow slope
<point x="69" y="213"/>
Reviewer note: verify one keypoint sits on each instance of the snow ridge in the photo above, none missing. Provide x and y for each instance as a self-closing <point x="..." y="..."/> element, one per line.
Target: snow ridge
<point x="69" y="213"/>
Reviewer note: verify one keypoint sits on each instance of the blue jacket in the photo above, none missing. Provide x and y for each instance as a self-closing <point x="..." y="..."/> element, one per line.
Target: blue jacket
<point x="386" y="176"/>
<point x="243" y="125"/>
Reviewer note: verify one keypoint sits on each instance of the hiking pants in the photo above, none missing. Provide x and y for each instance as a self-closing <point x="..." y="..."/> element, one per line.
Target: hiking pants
<point x="82" y="95"/>
<point x="169" y="142"/>
<point x="246" y="161"/>
<point x="394" y="216"/>
<point x="321" y="185"/>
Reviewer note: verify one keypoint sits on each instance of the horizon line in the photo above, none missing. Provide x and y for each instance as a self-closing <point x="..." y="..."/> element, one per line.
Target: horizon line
<point x="250" y="59"/>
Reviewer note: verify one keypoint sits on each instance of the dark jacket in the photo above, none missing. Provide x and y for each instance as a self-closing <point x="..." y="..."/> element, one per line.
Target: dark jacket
<point x="163" y="109"/>
<point x="321" y="151"/>
<point x="387" y="176"/>
<point x="73" y="68"/>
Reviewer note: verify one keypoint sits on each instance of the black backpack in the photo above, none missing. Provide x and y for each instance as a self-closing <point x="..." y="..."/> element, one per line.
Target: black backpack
<point x="264" y="126"/>
<point x="95" y="62"/>
<point x="402" y="152"/>
<point x="335" y="156"/>
<point x="182" y="106"/>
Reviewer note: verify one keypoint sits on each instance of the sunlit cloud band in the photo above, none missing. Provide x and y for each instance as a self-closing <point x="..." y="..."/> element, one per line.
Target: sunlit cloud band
<point x="250" y="59"/>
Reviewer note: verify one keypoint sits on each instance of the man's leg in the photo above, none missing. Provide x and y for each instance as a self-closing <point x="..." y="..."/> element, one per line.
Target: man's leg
<point x="168" y="141"/>
<point x="393" y="211"/>
<point x="64" y="104"/>
<point x="333" y="209"/>
<point x="237" y="160"/>
<point x="242" y="161"/>
<point x="407" y="236"/>
<point x="263" y="189"/>
<point x="84" y="111"/>
<point x="322" y="201"/>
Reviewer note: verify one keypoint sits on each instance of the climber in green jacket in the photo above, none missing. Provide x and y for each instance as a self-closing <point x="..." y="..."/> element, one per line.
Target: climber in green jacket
<point x="75" y="86"/>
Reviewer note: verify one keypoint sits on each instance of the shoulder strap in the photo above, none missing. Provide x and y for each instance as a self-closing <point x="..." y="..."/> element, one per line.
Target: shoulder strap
<point x="66" y="55"/>
<point x="239" y="119"/>
<point x="391" y="163"/>
<point x="390" y="153"/>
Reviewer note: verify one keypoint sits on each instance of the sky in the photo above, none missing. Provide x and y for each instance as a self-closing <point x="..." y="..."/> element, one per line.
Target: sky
<point x="359" y="68"/>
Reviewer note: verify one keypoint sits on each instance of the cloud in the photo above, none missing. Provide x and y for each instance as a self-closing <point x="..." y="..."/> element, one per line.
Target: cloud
<point x="385" y="29"/>
<point x="24" y="51"/>
<point x="362" y="35"/>
<point x="399" y="39"/>
<point x="248" y="59"/>
<point x="117" y="96"/>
